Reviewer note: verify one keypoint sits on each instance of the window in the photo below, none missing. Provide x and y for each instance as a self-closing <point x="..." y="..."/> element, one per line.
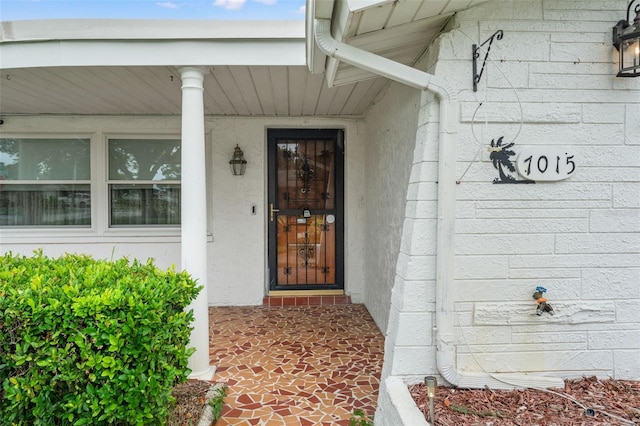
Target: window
<point x="45" y="182"/>
<point x="144" y="182"/>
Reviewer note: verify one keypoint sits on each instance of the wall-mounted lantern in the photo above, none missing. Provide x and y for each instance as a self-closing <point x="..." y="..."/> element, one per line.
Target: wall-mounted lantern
<point x="238" y="164"/>
<point x="626" y="38"/>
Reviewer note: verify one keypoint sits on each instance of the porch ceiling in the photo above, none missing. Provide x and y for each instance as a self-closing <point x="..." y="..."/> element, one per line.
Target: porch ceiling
<point x="155" y="90"/>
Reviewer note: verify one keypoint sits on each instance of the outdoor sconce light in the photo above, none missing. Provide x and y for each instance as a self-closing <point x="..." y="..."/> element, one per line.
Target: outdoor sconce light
<point x="238" y="164"/>
<point x="431" y="382"/>
<point x="476" y="54"/>
<point x="626" y="38"/>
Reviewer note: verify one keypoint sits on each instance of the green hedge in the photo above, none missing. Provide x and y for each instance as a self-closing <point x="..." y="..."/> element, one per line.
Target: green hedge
<point x="90" y="342"/>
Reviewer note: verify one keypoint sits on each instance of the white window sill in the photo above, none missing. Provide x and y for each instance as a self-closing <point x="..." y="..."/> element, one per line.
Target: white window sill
<point x="89" y="236"/>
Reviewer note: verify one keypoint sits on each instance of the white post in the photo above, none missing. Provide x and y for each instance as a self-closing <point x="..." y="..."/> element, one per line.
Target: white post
<point x="194" y="214"/>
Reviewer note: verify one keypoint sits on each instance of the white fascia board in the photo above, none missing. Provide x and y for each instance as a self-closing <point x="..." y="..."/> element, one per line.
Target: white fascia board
<point x="331" y="72"/>
<point x="322" y="9"/>
<point x="152" y="53"/>
<point x="360" y="5"/>
<point x="130" y="29"/>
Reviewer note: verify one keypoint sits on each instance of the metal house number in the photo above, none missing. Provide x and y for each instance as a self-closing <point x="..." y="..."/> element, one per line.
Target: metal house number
<point x="546" y="163"/>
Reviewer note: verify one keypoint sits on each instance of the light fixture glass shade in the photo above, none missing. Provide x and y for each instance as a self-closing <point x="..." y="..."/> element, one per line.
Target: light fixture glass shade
<point x="237" y="163"/>
<point x="630" y="56"/>
<point x="431" y="382"/>
<point x="626" y="38"/>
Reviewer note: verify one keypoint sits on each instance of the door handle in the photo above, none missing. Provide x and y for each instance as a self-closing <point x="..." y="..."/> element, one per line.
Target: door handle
<point x="272" y="211"/>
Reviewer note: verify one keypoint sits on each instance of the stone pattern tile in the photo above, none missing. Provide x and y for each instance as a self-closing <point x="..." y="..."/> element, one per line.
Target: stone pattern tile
<point x="295" y="365"/>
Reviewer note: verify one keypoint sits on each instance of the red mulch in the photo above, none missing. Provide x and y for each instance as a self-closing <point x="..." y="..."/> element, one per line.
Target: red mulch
<point x="613" y="402"/>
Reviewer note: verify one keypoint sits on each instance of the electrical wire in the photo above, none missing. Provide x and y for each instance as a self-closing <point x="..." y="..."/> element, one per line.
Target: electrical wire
<point x="486" y="120"/>
<point x="511" y="86"/>
<point x="515" y="92"/>
<point x="459" y="180"/>
<point x="587" y="410"/>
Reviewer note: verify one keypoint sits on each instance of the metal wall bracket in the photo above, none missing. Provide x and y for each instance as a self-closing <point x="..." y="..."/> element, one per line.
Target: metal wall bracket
<point x="476" y="54"/>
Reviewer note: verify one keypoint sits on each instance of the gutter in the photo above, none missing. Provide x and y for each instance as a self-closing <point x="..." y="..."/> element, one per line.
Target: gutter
<point x="445" y="260"/>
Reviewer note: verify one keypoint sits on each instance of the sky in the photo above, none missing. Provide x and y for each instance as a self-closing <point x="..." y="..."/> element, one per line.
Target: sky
<point x="17" y="10"/>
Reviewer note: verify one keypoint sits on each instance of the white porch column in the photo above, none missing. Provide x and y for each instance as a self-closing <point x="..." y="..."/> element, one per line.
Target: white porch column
<point x="194" y="213"/>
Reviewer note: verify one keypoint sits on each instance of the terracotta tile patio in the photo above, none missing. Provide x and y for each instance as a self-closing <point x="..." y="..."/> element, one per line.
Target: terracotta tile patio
<point x="295" y="365"/>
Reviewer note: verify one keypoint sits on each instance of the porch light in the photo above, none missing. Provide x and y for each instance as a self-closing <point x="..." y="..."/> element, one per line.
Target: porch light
<point x="238" y="163"/>
<point x="626" y="39"/>
<point x="431" y="382"/>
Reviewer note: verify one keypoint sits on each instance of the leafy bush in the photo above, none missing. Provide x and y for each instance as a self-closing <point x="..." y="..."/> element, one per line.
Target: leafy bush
<point x="217" y="402"/>
<point x="360" y="418"/>
<point x="84" y="341"/>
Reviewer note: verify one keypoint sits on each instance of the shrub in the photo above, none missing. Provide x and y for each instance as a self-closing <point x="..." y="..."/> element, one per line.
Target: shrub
<point x="360" y="418"/>
<point x="84" y="341"/>
<point x="217" y="402"/>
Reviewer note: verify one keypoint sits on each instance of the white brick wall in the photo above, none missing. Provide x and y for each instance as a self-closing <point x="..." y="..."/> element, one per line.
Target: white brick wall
<point x="579" y="238"/>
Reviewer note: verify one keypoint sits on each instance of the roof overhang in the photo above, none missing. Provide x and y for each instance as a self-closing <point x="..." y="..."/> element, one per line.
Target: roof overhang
<point x="130" y="67"/>
<point x="399" y="30"/>
<point x="61" y="43"/>
<point x="255" y="68"/>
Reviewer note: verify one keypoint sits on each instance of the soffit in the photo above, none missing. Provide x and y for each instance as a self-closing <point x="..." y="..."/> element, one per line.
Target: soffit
<point x="155" y="90"/>
<point x="400" y="30"/>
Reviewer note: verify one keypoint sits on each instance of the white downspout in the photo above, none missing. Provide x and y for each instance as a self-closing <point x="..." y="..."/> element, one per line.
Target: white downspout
<point x="448" y="129"/>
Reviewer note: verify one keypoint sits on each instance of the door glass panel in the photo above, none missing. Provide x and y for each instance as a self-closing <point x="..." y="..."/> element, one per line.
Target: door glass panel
<point x="306" y="174"/>
<point x="306" y="250"/>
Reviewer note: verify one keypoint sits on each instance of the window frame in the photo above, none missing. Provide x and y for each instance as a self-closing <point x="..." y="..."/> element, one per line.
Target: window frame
<point x="109" y="182"/>
<point x="99" y="232"/>
<point x="89" y="182"/>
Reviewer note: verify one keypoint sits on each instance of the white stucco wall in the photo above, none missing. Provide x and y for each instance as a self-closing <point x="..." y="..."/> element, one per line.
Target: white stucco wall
<point x="238" y="253"/>
<point x="390" y="140"/>
<point x="579" y="238"/>
<point x="237" y="239"/>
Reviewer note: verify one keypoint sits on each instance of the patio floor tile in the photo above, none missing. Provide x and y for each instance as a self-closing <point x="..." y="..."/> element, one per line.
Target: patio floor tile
<point x="295" y="365"/>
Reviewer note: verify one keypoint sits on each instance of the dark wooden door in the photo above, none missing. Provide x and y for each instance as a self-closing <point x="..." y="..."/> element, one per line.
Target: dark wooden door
<point x="305" y="212"/>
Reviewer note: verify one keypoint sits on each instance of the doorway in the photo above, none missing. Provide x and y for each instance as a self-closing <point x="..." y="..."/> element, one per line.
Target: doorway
<point x="305" y="211"/>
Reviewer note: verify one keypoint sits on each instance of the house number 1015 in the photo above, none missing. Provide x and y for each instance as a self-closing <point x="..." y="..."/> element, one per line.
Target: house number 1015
<point x="546" y="163"/>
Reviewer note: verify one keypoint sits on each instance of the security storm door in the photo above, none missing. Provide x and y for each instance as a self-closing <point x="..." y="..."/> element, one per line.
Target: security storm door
<point x="305" y="209"/>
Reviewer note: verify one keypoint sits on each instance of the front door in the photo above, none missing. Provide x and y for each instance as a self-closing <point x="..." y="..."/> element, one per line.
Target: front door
<point x="305" y="209"/>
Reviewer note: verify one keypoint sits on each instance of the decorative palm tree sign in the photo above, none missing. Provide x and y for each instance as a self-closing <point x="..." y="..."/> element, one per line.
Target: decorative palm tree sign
<point x="500" y="156"/>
